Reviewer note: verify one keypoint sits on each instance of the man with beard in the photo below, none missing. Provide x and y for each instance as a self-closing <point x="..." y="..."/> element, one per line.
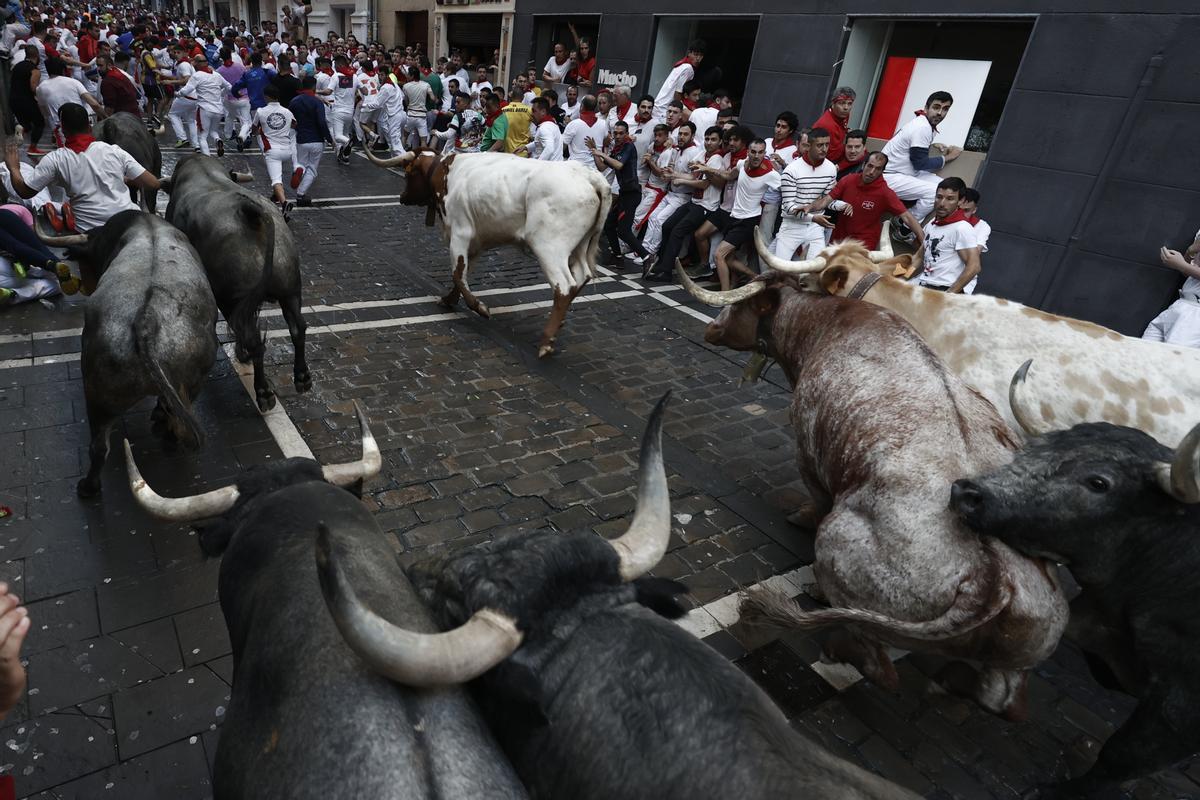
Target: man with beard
<point x="836" y="120"/>
<point x="862" y="199"/>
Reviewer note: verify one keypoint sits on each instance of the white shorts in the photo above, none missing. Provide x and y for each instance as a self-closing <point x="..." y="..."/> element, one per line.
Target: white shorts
<point x="807" y="237"/>
<point x="416" y="124"/>
<point x="1179" y="324"/>
<point x="275" y="159"/>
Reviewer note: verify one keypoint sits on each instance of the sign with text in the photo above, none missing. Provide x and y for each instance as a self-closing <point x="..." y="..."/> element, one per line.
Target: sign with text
<point x="610" y="78"/>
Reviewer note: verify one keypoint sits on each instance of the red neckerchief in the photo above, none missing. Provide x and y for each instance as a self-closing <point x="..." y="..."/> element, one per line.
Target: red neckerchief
<point x="349" y="73"/>
<point x="227" y="63"/>
<point x="690" y="105"/>
<point x="588" y="117"/>
<point x="681" y="147"/>
<point x="762" y="169"/>
<point x="685" y="60"/>
<point x="617" y="147"/>
<point x="78" y="142"/>
<point x="973" y="219"/>
<point x="370" y="73"/>
<point x="490" y="118"/>
<point x="957" y="216"/>
<point x="643" y="119"/>
<point x="788" y="142"/>
<point x="51" y="50"/>
<point x="811" y="164"/>
<point x="658" y="148"/>
<point x="737" y="157"/>
<point x="326" y="70"/>
<point x="622" y="110"/>
<point x="921" y="113"/>
<point x="426" y="72"/>
<point x="204" y="69"/>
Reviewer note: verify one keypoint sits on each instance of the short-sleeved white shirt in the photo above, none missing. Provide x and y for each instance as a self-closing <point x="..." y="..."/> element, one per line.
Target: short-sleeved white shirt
<point x="56" y="92"/>
<point x="982" y="232"/>
<point x="712" y="193"/>
<point x="558" y="72"/>
<point x="94" y="181"/>
<point x="277" y="125"/>
<point x="575" y="135"/>
<point x="692" y="153"/>
<point x="943" y="265"/>
<point x="674" y="83"/>
<point x="917" y="132"/>
<point x="703" y="119"/>
<point x="748" y="195"/>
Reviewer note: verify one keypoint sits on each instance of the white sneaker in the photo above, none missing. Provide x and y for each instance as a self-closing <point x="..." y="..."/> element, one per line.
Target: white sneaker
<point x="635" y="260"/>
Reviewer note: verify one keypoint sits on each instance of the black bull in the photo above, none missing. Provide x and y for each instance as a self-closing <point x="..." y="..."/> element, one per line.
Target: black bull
<point x="249" y="255"/>
<point x="129" y="133"/>
<point x="307" y="719"/>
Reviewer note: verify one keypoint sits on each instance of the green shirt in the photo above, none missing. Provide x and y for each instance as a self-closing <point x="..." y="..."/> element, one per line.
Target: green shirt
<point x="435" y="83"/>
<point x="495" y="133"/>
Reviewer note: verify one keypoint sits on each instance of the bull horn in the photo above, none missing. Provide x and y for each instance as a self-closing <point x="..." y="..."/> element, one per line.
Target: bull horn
<point x="712" y="298"/>
<point x="70" y="240"/>
<point x="885" y="239"/>
<point x="160" y="130"/>
<point x="396" y="161"/>
<point x="366" y="467"/>
<point x="782" y="264"/>
<point x="645" y="543"/>
<point x="425" y="660"/>
<point x="1181" y="478"/>
<point x="177" y="509"/>
<point x="241" y="177"/>
<point x="1025" y="416"/>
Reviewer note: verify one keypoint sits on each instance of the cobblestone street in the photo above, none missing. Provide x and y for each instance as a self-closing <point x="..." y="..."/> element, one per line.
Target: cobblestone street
<point x="129" y="662"/>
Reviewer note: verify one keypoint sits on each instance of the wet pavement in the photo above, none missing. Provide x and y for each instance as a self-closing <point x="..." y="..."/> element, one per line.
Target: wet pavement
<point x="128" y="659"/>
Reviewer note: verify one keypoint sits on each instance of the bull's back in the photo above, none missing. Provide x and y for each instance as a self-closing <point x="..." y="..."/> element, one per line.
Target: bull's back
<point x="307" y="719"/>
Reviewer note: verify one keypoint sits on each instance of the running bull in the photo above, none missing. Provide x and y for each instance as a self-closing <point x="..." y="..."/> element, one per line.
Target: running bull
<point x="249" y="254"/>
<point x="1098" y="376"/>
<point x="554" y="208"/>
<point x="882" y="430"/>
<point x="593" y="694"/>
<point x="130" y="134"/>
<point x="307" y="719"/>
<point x="1122" y="512"/>
<point x="149" y="328"/>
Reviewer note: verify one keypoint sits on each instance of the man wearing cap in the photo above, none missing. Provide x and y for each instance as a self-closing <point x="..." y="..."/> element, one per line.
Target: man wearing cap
<point x="836" y="120"/>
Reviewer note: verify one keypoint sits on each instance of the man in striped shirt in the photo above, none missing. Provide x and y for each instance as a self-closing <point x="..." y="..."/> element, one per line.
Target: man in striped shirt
<point x="805" y="181"/>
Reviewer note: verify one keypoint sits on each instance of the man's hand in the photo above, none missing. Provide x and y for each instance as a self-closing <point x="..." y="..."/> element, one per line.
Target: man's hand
<point x="589" y="143"/>
<point x="822" y="220"/>
<point x="778" y="161"/>
<point x="953" y="153"/>
<point x="848" y="210"/>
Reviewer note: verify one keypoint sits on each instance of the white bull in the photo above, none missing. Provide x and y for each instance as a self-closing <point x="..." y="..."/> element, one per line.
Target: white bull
<point x="1084" y="372"/>
<point x="556" y="209"/>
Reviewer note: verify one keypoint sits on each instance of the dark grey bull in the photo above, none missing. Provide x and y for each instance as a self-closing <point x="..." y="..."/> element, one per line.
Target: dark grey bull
<point x="1122" y="512"/>
<point x="130" y="134"/>
<point x="239" y="235"/>
<point x="148" y="328"/>
<point x="307" y="719"/>
<point x="592" y="693"/>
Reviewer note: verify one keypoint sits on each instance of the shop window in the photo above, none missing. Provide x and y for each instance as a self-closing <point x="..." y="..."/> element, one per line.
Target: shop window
<point x="551" y="30"/>
<point x="730" y="46"/>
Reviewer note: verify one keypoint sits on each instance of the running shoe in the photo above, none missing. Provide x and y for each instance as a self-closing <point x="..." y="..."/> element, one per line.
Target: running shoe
<point x="182" y="143"/>
<point x="220" y="148"/>
<point x="34" y="150"/>
<point x="7" y="296"/>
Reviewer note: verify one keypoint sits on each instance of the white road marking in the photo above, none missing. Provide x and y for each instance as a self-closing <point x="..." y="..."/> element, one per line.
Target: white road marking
<point x="283" y="430"/>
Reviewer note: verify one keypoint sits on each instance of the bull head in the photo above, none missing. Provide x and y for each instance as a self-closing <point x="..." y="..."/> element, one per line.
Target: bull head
<point x="831" y="269"/>
<point x="219" y="501"/>
<point x="1180" y="478"/>
<point x="489" y="636"/>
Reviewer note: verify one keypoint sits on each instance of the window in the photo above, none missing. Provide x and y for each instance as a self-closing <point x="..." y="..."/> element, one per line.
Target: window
<point x="730" y="46"/>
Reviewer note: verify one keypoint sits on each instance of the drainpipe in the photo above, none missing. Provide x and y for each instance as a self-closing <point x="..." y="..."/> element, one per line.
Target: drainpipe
<point x="1106" y="170"/>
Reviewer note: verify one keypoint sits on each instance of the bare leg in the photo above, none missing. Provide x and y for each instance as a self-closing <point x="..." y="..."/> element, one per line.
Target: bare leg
<point x="701" y="237"/>
<point x="723" y="251"/>
<point x="290" y="306"/>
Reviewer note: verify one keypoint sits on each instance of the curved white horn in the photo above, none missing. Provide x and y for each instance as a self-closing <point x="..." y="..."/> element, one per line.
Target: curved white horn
<point x="408" y="657"/>
<point x="396" y="161"/>
<point x="885" y="241"/>
<point x="1030" y="421"/>
<point x="177" y="509"/>
<point x="783" y="265"/>
<point x="366" y="467"/>
<point x="717" y="298"/>
<point x="642" y="546"/>
<point x="1181" y="478"/>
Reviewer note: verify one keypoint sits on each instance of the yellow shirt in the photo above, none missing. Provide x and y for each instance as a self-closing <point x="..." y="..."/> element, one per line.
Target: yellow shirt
<point x="518" y="117"/>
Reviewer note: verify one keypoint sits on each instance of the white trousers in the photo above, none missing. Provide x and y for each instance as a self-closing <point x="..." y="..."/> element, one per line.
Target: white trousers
<point x="652" y="198"/>
<point x="308" y="158"/>
<point x="921" y="188"/>
<point x="237" y="112"/>
<point x="339" y="124"/>
<point x="807" y="237"/>
<point x="37" y="285"/>
<point x="275" y="158"/>
<point x="392" y="128"/>
<point x="1179" y="324"/>
<point x="182" y="117"/>
<point x="367" y="115"/>
<point x="210" y="124"/>
<point x="654" y="225"/>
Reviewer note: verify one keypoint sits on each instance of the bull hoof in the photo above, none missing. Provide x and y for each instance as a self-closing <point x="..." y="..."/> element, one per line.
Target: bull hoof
<point x="240" y="354"/>
<point x="481" y="310"/>
<point x="545" y="350"/>
<point x="303" y="382"/>
<point x="266" y="401"/>
<point x="449" y="301"/>
<point x="87" y="489"/>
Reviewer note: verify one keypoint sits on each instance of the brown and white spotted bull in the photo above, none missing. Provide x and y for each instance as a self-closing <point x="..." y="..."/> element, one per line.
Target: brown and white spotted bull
<point x="883" y="429"/>
<point x="1085" y="372"/>
<point x="556" y="209"/>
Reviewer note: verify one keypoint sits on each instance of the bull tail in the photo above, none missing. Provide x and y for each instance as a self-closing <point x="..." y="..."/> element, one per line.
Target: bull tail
<point x="773" y="608"/>
<point x="591" y="241"/>
<point x="244" y="321"/>
<point x="145" y="334"/>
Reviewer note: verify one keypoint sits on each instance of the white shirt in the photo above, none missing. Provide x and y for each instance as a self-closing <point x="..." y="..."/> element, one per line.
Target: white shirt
<point x="463" y="78"/>
<point x="574" y="135"/>
<point x="690" y="154"/>
<point x="665" y="161"/>
<point x="558" y="72"/>
<point x="528" y="97"/>
<point x="630" y="116"/>
<point x="183" y="69"/>
<point x="982" y="232"/>
<point x="748" y="194"/>
<point x="787" y="153"/>
<point x="642" y="136"/>
<point x="801" y="183"/>
<point x="703" y="119"/>
<point x="94" y="181"/>
<point x="570" y="112"/>
<point x="391" y="100"/>
<point x="674" y="83"/>
<point x="58" y="91"/>
<point x="943" y="264"/>
<point x="208" y="89"/>
<point x="546" y="141"/>
<point x="917" y="132"/>
<point x="711" y="198"/>
<point x="367" y="86"/>
<point x="417" y="94"/>
<point x="278" y="127"/>
<point x="476" y="90"/>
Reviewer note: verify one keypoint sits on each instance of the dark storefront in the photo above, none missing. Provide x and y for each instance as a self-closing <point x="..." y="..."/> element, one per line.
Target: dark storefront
<point x="1080" y="137"/>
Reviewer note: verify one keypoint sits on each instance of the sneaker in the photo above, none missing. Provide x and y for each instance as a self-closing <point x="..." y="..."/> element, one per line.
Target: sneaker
<point x="241" y="145"/>
<point x="220" y="148"/>
<point x="303" y="200"/>
<point x="7" y="296"/>
<point x="182" y="144"/>
<point x="34" y="150"/>
<point x="61" y="269"/>
<point x="639" y="260"/>
<point x="19" y="270"/>
<point x="700" y="272"/>
<point x="648" y="263"/>
<point x="286" y="209"/>
<point x="70" y="286"/>
<point x="297" y="176"/>
<point x="195" y="149"/>
<point x="902" y="233"/>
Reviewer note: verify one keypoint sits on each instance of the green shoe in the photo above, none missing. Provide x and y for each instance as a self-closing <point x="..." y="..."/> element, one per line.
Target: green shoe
<point x="61" y="269"/>
<point x="7" y="296"/>
<point x="70" y="285"/>
<point x="19" y="270"/>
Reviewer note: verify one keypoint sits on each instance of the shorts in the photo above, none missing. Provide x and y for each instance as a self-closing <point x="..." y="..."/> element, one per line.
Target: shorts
<point x="741" y="231"/>
<point x="720" y="219"/>
<point x="153" y="91"/>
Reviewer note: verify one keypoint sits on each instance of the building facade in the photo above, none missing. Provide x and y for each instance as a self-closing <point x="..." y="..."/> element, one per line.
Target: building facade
<point x="1068" y="114"/>
<point x="480" y="29"/>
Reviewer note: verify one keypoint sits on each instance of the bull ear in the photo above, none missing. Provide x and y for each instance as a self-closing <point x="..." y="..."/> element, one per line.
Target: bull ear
<point x="765" y="302"/>
<point x="835" y="279"/>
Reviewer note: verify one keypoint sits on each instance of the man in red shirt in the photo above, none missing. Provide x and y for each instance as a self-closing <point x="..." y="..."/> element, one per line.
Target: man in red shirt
<point x="862" y="200"/>
<point x="836" y="120"/>
<point x="116" y="85"/>
<point x="88" y="44"/>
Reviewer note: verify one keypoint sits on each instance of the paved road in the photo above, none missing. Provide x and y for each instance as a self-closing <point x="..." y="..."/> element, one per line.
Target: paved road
<point x="129" y="665"/>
